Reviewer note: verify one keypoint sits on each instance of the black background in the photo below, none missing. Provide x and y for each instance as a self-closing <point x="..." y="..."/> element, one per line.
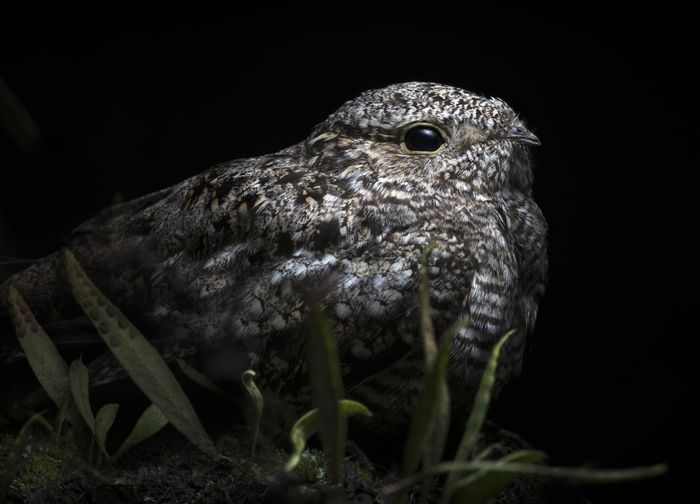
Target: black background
<point x="133" y="106"/>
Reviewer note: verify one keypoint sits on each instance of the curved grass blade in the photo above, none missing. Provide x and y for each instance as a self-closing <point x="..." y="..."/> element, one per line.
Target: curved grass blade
<point x="308" y="425"/>
<point x="201" y="380"/>
<point x="80" y="388"/>
<point x="486" y="452"/>
<point x="43" y="357"/>
<point x="103" y="422"/>
<point x="481" y="486"/>
<point x="430" y="348"/>
<point x="440" y="425"/>
<point x="327" y="389"/>
<point x="570" y="474"/>
<point x="15" y="119"/>
<point x="248" y="379"/>
<point x="429" y="406"/>
<point x="62" y="413"/>
<point x="143" y="362"/>
<point x="13" y="463"/>
<point x="150" y="423"/>
<point x="480" y="408"/>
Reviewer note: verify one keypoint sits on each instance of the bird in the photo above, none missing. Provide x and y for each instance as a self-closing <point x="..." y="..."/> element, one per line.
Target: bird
<point x="233" y="257"/>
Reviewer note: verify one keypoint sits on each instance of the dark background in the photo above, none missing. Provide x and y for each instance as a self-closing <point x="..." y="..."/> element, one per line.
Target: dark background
<point x="133" y="106"/>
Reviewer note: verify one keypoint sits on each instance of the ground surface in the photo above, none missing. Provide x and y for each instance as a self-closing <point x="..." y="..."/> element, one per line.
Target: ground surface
<point x="169" y="469"/>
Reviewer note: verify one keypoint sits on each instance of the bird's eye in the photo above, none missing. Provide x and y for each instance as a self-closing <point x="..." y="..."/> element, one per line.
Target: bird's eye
<point x="423" y="138"/>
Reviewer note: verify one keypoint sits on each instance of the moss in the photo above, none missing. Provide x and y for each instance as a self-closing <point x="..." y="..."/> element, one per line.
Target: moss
<point x="313" y="466"/>
<point x="363" y="475"/>
<point x="43" y="463"/>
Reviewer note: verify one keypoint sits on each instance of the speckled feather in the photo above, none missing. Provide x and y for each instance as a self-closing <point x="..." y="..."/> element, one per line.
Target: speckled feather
<point x="233" y="256"/>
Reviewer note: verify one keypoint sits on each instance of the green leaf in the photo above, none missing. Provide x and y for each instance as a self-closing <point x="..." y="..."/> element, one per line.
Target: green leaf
<point x="480" y="408"/>
<point x="327" y="389"/>
<point x="248" y="379"/>
<point x="571" y="474"/>
<point x="15" y="119"/>
<point x="103" y="422"/>
<point x="201" y="380"/>
<point x="438" y="429"/>
<point x="481" y="486"/>
<point x="80" y="388"/>
<point x="150" y="423"/>
<point x="427" y="332"/>
<point x="143" y="362"/>
<point x="63" y="412"/>
<point x="432" y="401"/>
<point x="43" y="357"/>
<point x="13" y="462"/>
<point x="308" y="425"/>
<point x="486" y="452"/>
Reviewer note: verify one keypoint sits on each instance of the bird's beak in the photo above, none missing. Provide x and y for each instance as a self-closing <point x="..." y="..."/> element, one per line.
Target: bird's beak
<point x="523" y="135"/>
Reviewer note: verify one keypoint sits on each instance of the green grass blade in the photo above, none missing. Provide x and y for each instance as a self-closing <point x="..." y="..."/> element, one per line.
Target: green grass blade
<point x="43" y="357"/>
<point x="480" y="408"/>
<point x="481" y="486"/>
<point x="439" y="427"/>
<point x="15" y="119"/>
<point x="150" y="423"/>
<point x="13" y="463"/>
<point x="308" y="425"/>
<point x="422" y="430"/>
<point x="80" y="388"/>
<point x="143" y="363"/>
<point x="441" y="421"/>
<point x="63" y="413"/>
<point x="577" y="474"/>
<point x="302" y="430"/>
<point x="248" y="379"/>
<point x="201" y="380"/>
<point x="103" y="422"/>
<point x="570" y="474"/>
<point x="327" y="389"/>
<point x="430" y="349"/>
<point x="488" y="451"/>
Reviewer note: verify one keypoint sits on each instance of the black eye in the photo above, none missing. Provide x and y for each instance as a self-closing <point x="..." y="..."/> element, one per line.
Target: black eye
<point x="423" y="138"/>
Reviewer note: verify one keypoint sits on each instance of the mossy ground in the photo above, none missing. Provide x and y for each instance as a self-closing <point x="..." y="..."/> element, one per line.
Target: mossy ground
<point x="169" y="469"/>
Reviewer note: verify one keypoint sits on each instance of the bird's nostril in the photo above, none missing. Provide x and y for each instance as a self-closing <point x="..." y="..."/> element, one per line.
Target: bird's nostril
<point x="523" y="135"/>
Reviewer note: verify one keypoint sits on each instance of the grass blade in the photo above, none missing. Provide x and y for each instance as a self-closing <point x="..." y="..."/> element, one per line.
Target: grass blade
<point x="308" y="425"/>
<point x="62" y="413"/>
<point x="571" y="474"/>
<point x="103" y="422"/>
<point x="80" y="388"/>
<point x="13" y="463"/>
<point x="428" y="407"/>
<point x="481" y="486"/>
<point x="327" y="389"/>
<point x="43" y="357"/>
<point x="480" y="408"/>
<point x="150" y="423"/>
<point x="201" y="380"/>
<point x="143" y="363"/>
<point x="15" y="119"/>
<point x="577" y="474"/>
<point x="248" y="379"/>
<point x="427" y="332"/>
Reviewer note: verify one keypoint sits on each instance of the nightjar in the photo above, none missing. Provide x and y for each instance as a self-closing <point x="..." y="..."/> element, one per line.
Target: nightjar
<point x="231" y="258"/>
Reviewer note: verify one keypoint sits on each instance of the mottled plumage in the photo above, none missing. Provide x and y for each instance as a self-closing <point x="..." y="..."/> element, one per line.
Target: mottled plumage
<point x="231" y="257"/>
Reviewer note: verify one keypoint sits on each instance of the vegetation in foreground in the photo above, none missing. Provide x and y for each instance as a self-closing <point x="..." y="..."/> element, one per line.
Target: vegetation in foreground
<point x="64" y="456"/>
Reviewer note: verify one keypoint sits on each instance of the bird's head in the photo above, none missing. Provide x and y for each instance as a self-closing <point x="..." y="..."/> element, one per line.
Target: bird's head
<point x="425" y="136"/>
